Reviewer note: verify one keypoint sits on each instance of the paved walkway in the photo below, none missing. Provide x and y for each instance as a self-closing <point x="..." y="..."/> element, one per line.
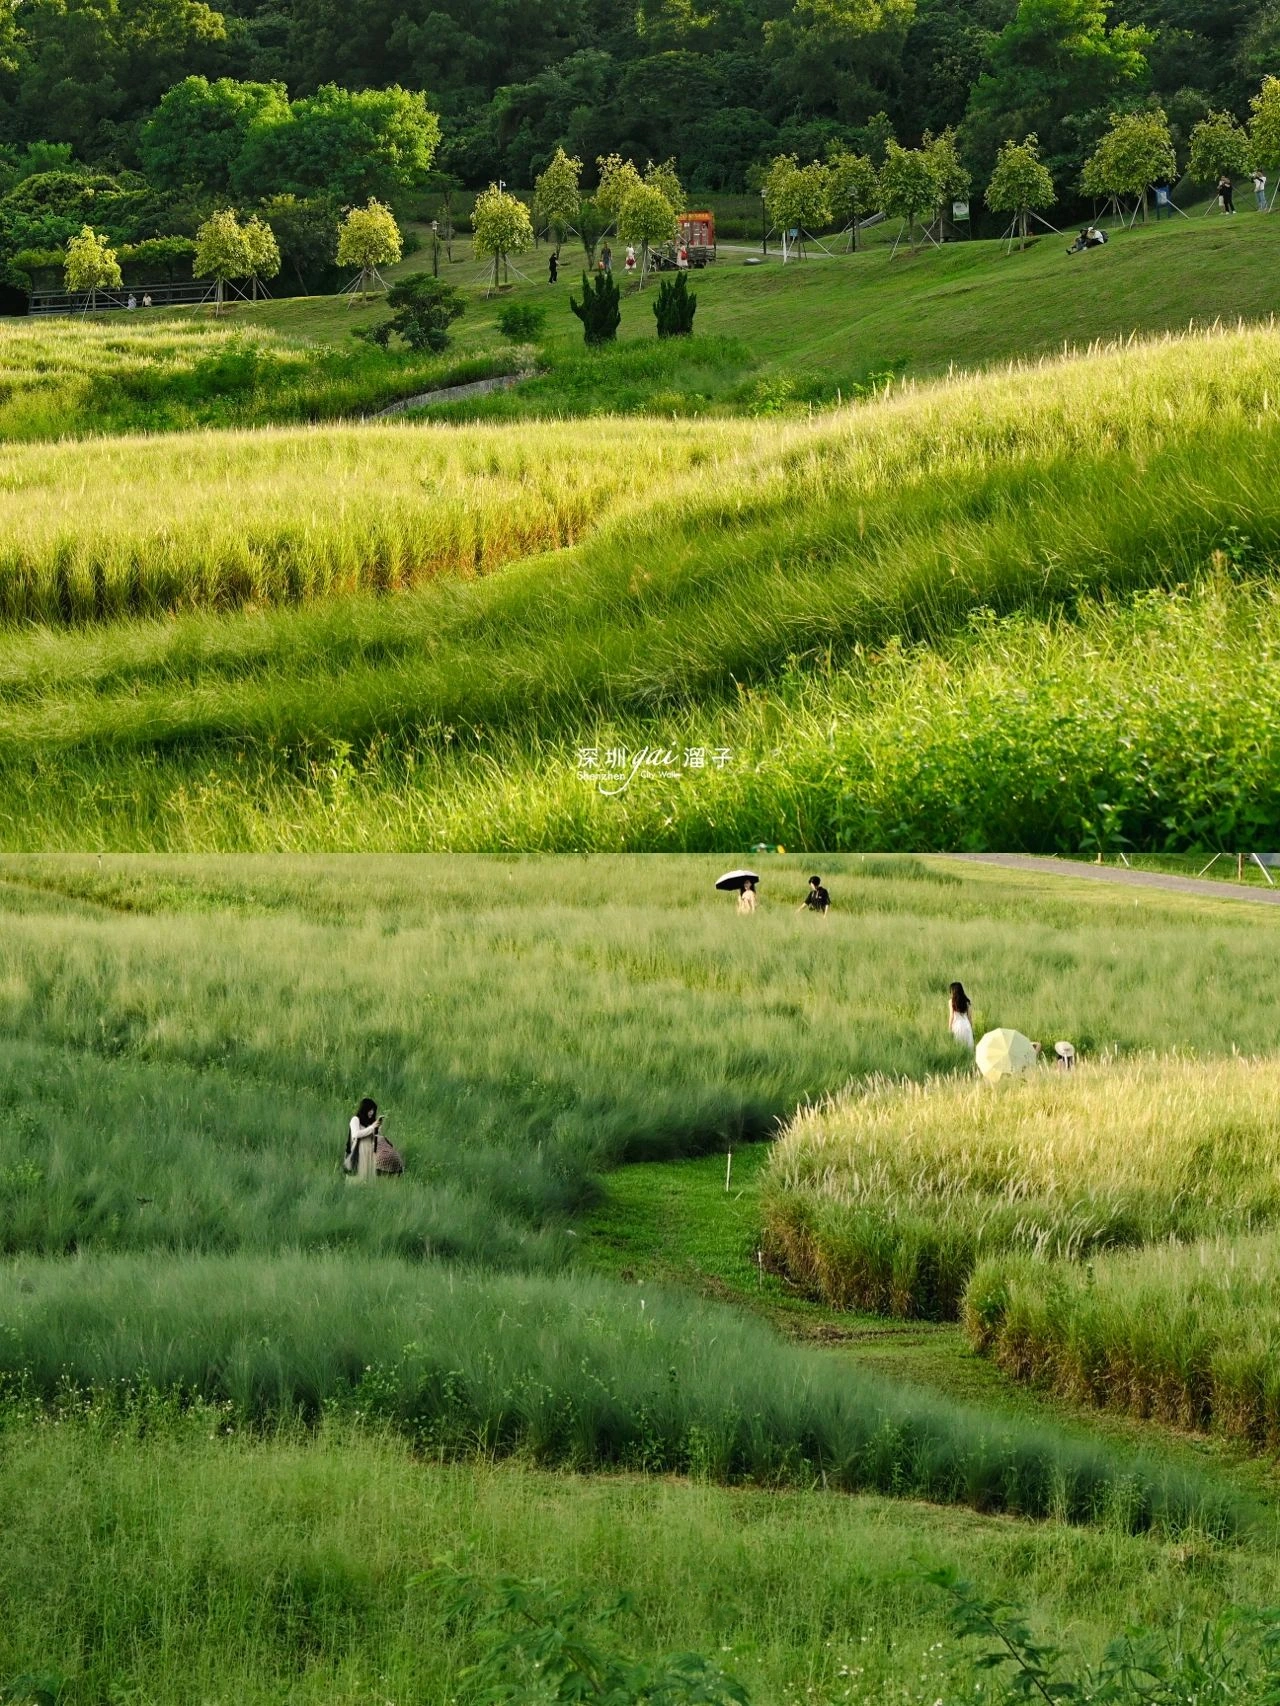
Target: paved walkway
<point x="1132" y="879"/>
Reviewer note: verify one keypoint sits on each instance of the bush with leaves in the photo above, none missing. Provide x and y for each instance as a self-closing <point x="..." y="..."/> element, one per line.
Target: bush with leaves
<point x="1236" y="1657"/>
<point x="600" y="309"/>
<point x="522" y="322"/>
<point x="423" y="309"/>
<point x="675" y="307"/>
<point x="542" y="1646"/>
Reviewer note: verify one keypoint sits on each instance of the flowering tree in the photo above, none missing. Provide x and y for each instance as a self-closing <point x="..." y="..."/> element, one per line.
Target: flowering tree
<point x="908" y="185"/>
<point x="1218" y="146"/>
<point x="618" y="180"/>
<point x="855" y="189"/>
<point x="1264" y="127"/>
<point x="264" y="253"/>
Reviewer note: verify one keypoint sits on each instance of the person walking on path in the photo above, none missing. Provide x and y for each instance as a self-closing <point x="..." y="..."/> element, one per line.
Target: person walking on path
<point x="1226" y="194"/>
<point x="960" y="1016"/>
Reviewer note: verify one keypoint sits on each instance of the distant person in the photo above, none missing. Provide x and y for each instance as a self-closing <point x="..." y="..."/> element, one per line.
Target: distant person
<point x="1164" y="202"/>
<point x="365" y="1127"/>
<point x="146" y="301"/>
<point x="817" y="899"/>
<point x="132" y="302"/>
<point x="1064" y="1056"/>
<point x="1091" y="237"/>
<point x="960" y="1016"/>
<point x="553" y="267"/>
<point x="1260" y="190"/>
<point x="1226" y="194"/>
<point x="682" y="258"/>
<point x="747" y="896"/>
<point x="606" y="259"/>
<point x="630" y="263"/>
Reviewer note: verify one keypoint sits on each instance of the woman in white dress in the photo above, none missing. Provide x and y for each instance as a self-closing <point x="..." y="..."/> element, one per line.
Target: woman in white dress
<point x="747" y="897"/>
<point x="960" y="1016"/>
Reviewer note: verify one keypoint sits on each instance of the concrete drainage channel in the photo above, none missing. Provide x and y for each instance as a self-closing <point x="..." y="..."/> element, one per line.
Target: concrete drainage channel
<point x="452" y="394"/>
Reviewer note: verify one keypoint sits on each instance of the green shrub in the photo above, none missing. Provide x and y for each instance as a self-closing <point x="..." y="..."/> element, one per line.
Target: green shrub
<point x="522" y="322"/>
<point x="600" y="309"/>
<point x="675" y="307"/>
<point x="423" y="310"/>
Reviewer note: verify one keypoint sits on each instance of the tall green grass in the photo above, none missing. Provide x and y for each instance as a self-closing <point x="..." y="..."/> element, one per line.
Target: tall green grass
<point x="886" y="1199"/>
<point x="163" y="372"/>
<point x="195" y="1032"/>
<point x="1002" y="736"/>
<point x="172" y="1566"/>
<point x="713" y="564"/>
<point x="1187" y="1333"/>
<point x="893" y="518"/>
<point x="582" y="1374"/>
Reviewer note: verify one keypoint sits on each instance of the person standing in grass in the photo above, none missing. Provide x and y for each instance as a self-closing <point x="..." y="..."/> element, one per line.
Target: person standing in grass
<point x="365" y="1127"/>
<point x="960" y="1016"/>
<point x="553" y="267"/>
<point x="817" y="899"/>
<point x="1226" y="194"/>
<point x="1260" y="189"/>
<point x="606" y="258"/>
<point x="747" y="896"/>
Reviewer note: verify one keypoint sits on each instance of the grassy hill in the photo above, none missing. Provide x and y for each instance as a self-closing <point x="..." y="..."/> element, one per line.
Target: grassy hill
<point x="909" y="622"/>
<point x="911" y="619"/>
<point x="769" y="338"/>
<point x="246" y="1405"/>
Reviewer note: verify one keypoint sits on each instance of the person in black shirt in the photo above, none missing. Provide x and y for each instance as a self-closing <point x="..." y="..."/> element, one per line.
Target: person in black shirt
<point x="817" y="899"/>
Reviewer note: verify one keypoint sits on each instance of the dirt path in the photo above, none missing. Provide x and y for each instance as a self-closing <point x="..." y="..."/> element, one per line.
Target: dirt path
<point x="1132" y="879"/>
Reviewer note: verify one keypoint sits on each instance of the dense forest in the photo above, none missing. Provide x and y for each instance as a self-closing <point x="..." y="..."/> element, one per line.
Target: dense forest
<point x="139" y="114"/>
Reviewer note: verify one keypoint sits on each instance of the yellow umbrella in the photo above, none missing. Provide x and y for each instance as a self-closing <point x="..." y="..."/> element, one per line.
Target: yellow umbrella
<point x="1004" y="1054"/>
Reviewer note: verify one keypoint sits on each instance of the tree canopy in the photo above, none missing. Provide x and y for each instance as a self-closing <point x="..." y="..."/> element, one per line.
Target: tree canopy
<point x="1021" y="183"/>
<point x="91" y="264"/>
<point x="1136" y="152"/>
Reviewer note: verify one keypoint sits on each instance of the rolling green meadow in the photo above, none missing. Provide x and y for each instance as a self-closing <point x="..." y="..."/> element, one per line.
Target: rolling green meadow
<point x="900" y="540"/>
<point x="248" y="1407"/>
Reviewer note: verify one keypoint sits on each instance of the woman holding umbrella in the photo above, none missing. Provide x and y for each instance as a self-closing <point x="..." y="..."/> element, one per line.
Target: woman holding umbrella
<point x="744" y="883"/>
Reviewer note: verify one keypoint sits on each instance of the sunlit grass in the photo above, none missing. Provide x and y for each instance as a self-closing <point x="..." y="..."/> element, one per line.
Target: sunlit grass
<point x="886" y="1199"/>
